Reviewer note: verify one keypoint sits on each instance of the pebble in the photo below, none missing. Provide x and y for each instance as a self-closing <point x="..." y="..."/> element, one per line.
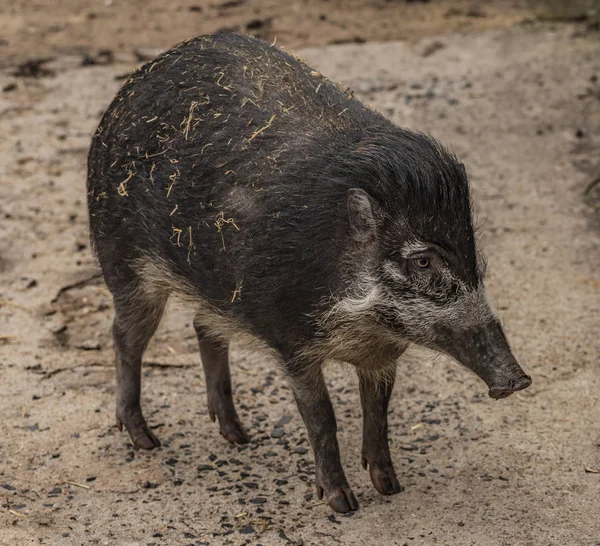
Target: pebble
<point x="283" y="421"/>
<point x="90" y="345"/>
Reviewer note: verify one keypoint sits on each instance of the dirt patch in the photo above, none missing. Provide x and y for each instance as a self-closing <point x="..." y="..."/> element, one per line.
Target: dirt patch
<point x="521" y="107"/>
<point x="34" y="29"/>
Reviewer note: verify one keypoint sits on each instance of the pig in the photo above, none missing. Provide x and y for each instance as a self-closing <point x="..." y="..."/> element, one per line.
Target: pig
<point x="229" y="173"/>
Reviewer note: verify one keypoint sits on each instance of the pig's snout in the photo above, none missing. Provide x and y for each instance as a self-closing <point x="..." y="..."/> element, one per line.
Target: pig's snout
<point x="486" y="351"/>
<point x="514" y="385"/>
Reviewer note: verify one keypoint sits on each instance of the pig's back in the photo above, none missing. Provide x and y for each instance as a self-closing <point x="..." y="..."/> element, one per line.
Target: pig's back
<point x="216" y="109"/>
<point x="215" y="158"/>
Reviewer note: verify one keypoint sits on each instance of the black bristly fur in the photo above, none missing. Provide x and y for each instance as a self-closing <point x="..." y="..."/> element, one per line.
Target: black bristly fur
<point x="222" y="171"/>
<point x="283" y="190"/>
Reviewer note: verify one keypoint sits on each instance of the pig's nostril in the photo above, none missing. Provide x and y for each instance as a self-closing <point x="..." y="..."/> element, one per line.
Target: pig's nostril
<point x="513" y="386"/>
<point x="522" y="383"/>
<point x="498" y="393"/>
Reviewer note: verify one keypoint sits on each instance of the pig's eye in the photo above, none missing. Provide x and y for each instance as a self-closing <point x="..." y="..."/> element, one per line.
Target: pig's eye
<point x="422" y="263"/>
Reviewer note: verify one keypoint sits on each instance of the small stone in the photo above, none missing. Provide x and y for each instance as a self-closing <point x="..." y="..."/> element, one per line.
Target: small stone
<point x="277" y="432"/>
<point x="431" y="48"/>
<point x="90" y="345"/>
<point x="301" y="450"/>
<point x="283" y="421"/>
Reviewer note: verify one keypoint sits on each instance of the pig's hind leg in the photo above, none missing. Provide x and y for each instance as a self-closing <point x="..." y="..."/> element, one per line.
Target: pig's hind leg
<point x="375" y="393"/>
<point x="215" y="361"/>
<point x="137" y="316"/>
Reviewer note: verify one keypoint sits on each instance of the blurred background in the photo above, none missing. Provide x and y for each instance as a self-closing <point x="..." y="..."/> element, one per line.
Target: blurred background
<point x="49" y="27"/>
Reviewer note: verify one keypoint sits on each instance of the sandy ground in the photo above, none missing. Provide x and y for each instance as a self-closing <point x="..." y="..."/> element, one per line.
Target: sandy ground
<point x="52" y="27"/>
<point x="521" y="107"/>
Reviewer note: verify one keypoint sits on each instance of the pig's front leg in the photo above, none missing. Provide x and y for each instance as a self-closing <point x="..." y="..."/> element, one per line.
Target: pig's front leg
<point x="375" y="396"/>
<point x="317" y="413"/>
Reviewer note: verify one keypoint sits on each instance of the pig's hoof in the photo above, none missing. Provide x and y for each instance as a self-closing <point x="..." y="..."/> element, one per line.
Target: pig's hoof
<point x="145" y="439"/>
<point x="234" y="432"/>
<point x="141" y="436"/>
<point x="340" y="499"/>
<point x="384" y="479"/>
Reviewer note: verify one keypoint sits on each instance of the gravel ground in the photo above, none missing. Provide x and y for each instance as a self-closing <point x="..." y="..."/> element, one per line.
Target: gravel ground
<point x="521" y="107"/>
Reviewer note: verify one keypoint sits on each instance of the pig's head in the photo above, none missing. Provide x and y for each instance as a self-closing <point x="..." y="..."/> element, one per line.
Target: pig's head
<point x="418" y="271"/>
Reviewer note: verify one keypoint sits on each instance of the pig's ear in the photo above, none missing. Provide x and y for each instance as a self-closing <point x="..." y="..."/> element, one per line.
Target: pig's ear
<point x="360" y="214"/>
